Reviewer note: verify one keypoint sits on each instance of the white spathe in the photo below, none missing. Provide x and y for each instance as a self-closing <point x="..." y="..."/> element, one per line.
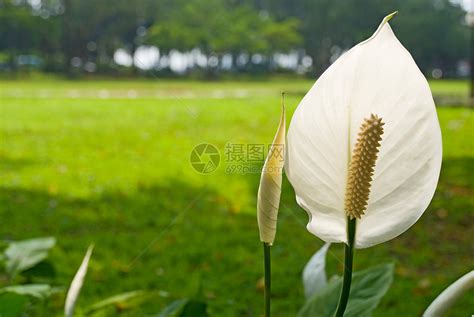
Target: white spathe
<point x="76" y="284"/>
<point x="450" y="295"/>
<point x="269" y="190"/>
<point x="376" y="76"/>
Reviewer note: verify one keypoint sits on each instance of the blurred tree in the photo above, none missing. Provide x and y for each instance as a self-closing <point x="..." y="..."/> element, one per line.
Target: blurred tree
<point x="93" y="30"/>
<point x="65" y="32"/>
<point x="217" y="28"/>
<point x="24" y="31"/>
<point x="434" y="31"/>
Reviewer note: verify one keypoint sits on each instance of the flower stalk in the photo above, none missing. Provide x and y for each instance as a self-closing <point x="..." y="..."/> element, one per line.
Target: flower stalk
<point x="348" y="261"/>
<point x="268" y="277"/>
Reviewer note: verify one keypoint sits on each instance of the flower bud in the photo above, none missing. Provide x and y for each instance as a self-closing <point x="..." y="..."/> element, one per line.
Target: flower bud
<point x="269" y="190"/>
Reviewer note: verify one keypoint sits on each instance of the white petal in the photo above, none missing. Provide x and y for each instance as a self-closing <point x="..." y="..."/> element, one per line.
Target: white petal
<point x="376" y="76"/>
<point x="449" y="296"/>
<point x="76" y="284"/>
<point x="269" y="190"/>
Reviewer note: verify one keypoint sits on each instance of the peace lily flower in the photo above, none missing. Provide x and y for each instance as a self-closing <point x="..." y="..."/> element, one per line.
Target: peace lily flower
<point x="364" y="145"/>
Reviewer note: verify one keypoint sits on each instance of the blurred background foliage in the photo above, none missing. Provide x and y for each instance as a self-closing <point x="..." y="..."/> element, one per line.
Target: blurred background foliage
<point x="210" y="38"/>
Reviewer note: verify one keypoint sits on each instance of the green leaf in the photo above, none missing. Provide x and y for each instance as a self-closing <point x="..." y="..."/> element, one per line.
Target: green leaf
<point x="12" y="305"/>
<point x="44" y="270"/>
<point x="116" y="300"/>
<point x="23" y="255"/>
<point x="368" y="287"/>
<point x="194" y="308"/>
<point x="185" y="308"/>
<point x="314" y="273"/>
<point x="173" y="308"/>
<point x="40" y="291"/>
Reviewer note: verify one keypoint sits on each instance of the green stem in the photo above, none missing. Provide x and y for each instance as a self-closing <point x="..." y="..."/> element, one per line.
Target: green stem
<point x="268" y="277"/>
<point x="348" y="260"/>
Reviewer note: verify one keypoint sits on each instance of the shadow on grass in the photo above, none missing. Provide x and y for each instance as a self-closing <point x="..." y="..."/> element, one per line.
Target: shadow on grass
<point x="169" y="237"/>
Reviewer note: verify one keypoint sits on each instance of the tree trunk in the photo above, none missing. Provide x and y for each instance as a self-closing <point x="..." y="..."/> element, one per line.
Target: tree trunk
<point x="471" y="57"/>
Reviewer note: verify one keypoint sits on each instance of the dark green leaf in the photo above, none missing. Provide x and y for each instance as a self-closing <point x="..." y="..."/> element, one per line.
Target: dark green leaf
<point x="43" y="270"/>
<point x="185" y="308"/>
<point x="368" y="287"/>
<point x="194" y="308"/>
<point x="173" y="308"/>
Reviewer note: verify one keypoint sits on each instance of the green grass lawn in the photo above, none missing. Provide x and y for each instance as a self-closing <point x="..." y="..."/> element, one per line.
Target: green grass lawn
<point x="108" y="163"/>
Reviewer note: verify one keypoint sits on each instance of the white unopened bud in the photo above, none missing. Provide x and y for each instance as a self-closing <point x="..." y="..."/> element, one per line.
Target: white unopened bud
<point x="269" y="190"/>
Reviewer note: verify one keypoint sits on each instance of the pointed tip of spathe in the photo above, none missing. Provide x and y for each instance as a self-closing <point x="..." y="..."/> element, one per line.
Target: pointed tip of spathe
<point x="283" y="101"/>
<point x="381" y="26"/>
<point x="283" y="107"/>
<point x="390" y="16"/>
<point x="91" y="248"/>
